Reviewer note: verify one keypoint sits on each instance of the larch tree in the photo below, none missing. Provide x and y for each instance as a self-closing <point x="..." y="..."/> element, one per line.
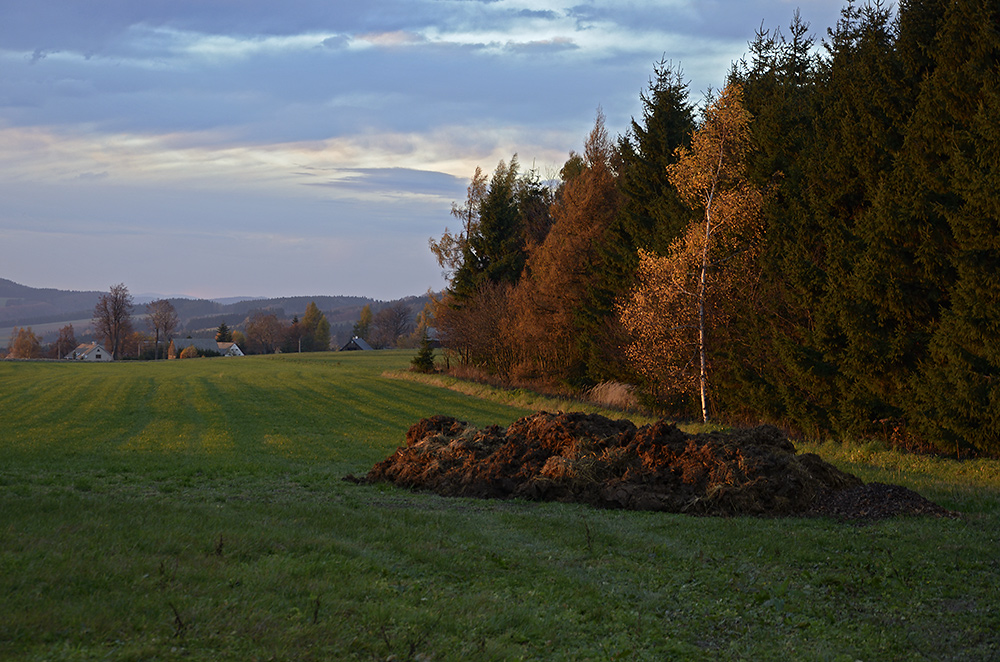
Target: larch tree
<point x="113" y="318"/>
<point x="681" y="298"/>
<point x="650" y="216"/>
<point x="363" y="327"/>
<point x="561" y="269"/>
<point x="316" y="329"/>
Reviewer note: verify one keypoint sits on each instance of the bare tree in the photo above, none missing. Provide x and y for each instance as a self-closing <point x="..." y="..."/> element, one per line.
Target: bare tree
<point x="113" y="318"/>
<point x="65" y="343"/>
<point x="389" y="324"/>
<point x="162" y="319"/>
<point x="264" y="331"/>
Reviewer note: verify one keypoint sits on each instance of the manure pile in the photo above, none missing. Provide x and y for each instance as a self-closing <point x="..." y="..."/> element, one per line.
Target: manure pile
<point x="591" y="459"/>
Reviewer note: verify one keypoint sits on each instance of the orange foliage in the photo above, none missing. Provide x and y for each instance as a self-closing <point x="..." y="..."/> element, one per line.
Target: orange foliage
<point x="680" y="299"/>
<point x="559" y="269"/>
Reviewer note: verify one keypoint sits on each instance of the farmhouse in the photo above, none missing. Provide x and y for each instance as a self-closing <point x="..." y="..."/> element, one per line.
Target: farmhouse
<point x="90" y="352"/>
<point x="356" y="344"/>
<point x="178" y="345"/>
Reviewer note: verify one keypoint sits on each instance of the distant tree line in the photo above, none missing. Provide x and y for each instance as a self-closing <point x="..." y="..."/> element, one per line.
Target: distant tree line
<point x="837" y="273"/>
<point x="114" y="327"/>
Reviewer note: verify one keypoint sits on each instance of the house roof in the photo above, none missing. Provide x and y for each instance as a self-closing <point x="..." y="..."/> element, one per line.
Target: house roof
<point x="356" y="343"/>
<point x="85" y="349"/>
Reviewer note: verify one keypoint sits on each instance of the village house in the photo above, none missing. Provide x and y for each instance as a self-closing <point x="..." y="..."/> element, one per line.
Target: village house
<point x="356" y="344"/>
<point x="90" y="352"/>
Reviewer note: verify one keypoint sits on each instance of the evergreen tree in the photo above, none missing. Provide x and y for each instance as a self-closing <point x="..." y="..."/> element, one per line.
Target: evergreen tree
<point x="223" y="334"/>
<point x="494" y="251"/>
<point x="650" y="216"/>
<point x="780" y="88"/>
<point x="934" y="255"/>
<point x="424" y="360"/>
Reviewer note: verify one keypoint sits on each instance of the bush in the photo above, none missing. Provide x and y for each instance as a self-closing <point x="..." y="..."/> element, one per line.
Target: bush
<point x="189" y="352"/>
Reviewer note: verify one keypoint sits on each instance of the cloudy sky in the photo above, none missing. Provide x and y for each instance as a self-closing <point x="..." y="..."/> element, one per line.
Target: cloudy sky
<point x="219" y="148"/>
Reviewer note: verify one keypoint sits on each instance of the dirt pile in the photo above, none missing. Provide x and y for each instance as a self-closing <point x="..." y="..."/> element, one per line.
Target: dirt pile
<point x="613" y="464"/>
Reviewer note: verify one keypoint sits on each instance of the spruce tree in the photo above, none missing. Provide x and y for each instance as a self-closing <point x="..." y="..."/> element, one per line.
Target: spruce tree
<point x="650" y="217"/>
<point x="780" y="82"/>
<point x="494" y="252"/>
<point x="941" y="233"/>
<point x="424" y="360"/>
<point x="223" y="334"/>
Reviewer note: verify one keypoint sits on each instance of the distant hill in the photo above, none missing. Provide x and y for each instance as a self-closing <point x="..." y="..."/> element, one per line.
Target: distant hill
<point x="23" y="306"/>
<point x="46" y="310"/>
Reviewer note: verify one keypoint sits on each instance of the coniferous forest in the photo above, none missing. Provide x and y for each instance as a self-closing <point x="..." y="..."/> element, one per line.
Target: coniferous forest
<point x="816" y="245"/>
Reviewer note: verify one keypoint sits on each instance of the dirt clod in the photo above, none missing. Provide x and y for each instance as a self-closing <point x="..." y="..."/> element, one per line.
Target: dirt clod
<point x="587" y="458"/>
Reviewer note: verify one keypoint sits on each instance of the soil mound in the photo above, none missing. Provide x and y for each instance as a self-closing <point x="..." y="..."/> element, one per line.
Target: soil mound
<point x="613" y="464"/>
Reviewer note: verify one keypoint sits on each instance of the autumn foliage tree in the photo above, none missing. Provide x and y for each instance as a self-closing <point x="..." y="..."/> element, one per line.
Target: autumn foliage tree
<point x="316" y="329"/>
<point x="264" y="331"/>
<point x="561" y="269"/>
<point x="24" y="344"/>
<point x="683" y="297"/>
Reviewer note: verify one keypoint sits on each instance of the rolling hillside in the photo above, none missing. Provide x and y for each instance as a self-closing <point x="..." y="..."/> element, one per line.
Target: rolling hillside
<point x="46" y="310"/>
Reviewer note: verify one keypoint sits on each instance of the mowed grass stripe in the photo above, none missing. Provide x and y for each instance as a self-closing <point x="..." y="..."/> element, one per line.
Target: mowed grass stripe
<point x="244" y="409"/>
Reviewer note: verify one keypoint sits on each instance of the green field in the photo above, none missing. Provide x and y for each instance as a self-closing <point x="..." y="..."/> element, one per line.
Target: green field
<point x="194" y="510"/>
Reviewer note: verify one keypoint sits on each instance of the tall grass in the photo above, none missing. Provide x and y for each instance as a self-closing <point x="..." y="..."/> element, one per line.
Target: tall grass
<point x="195" y="511"/>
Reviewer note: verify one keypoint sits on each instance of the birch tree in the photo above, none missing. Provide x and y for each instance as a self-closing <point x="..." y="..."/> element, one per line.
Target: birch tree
<point x="681" y="298"/>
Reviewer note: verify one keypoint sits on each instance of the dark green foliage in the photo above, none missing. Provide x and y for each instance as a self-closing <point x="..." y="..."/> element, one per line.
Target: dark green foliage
<point x="879" y="282"/>
<point x="494" y="252"/>
<point x="651" y="215"/>
<point x="424" y="360"/>
<point x="944" y="210"/>
<point x="223" y="334"/>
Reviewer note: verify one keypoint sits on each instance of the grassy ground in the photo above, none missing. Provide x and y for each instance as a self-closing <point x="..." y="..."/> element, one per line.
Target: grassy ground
<point x="194" y="510"/>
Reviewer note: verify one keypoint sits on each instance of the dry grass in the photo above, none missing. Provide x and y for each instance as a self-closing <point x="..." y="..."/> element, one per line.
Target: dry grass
<point x="614" y="395"/>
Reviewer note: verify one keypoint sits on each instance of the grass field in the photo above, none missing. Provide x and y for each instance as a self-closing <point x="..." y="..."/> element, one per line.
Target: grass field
<point x="194" y="510"/>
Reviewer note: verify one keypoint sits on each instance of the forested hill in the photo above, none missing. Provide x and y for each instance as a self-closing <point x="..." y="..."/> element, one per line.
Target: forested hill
<point x="39" y="305"/>
<point x="21" y="305"/>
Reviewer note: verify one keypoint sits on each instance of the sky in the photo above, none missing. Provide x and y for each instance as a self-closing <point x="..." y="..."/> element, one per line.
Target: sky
<point x="221" y="148"/>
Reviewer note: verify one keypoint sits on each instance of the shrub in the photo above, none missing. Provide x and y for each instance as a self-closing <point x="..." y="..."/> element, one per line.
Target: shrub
<point x="189" y="352"/>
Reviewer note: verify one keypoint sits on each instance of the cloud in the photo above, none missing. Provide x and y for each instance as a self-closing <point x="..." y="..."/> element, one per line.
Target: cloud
<point x="393" y="39"/>
<point x="543" y="46"/>
<point x="338" y="132"/>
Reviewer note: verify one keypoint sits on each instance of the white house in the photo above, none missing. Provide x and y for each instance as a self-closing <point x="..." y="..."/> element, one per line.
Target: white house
<point x="90" y="352"/>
